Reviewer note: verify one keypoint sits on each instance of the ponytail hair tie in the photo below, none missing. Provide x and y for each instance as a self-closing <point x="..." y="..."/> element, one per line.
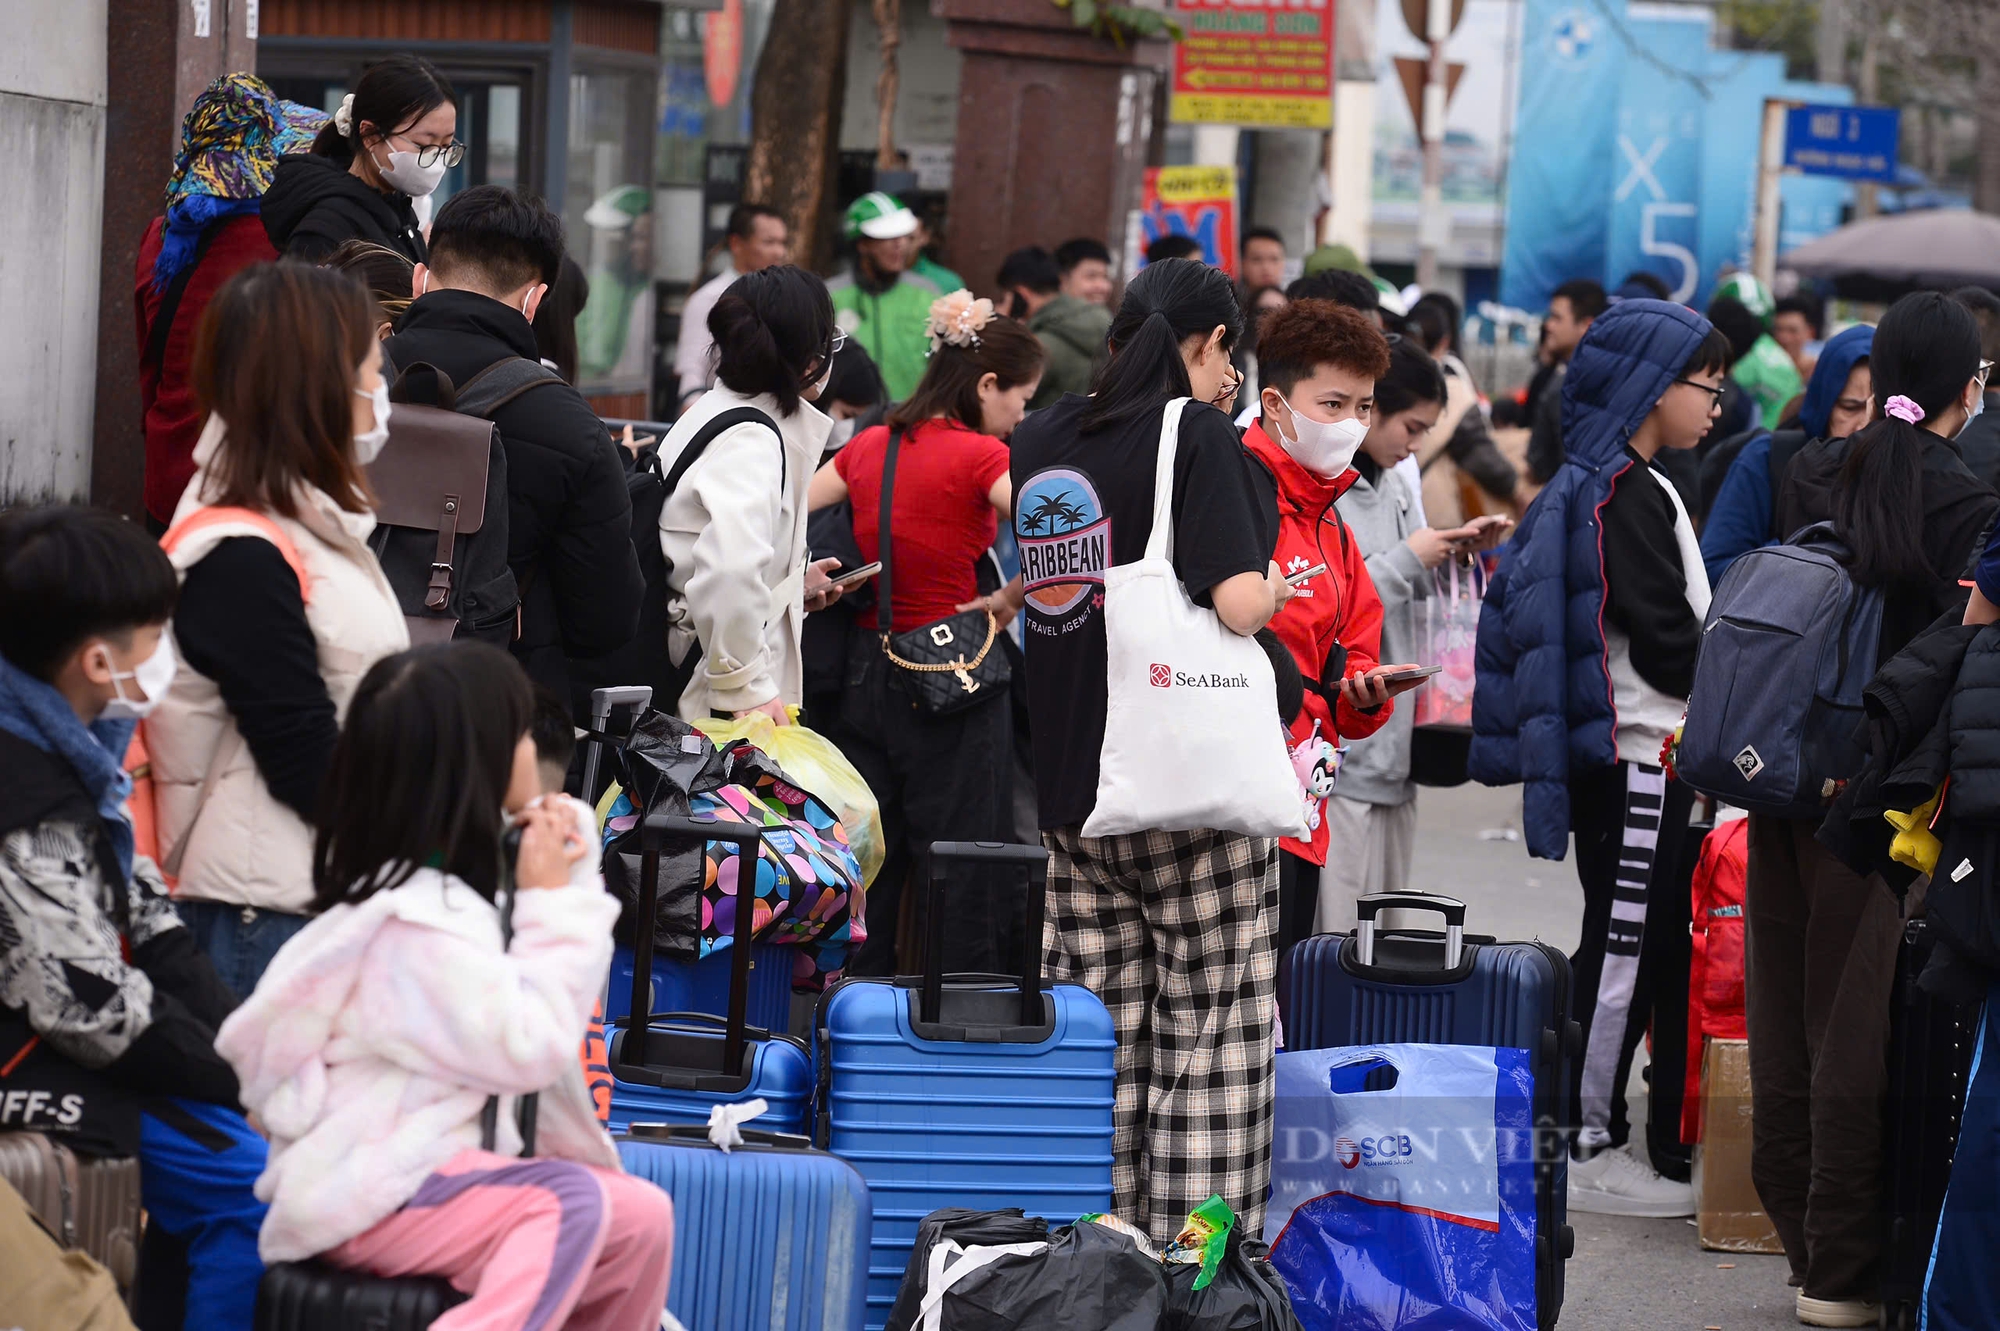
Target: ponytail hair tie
<point x="343" y="119"/>
<point x="1903" y="409"/>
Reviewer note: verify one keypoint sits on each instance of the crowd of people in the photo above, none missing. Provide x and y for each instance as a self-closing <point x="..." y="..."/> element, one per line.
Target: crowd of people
<point x="268" y="959"/>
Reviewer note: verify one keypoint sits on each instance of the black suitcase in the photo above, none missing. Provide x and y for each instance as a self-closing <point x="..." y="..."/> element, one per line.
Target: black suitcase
<point x="1931" y="1044"/>
<point x="314" y="1296"/>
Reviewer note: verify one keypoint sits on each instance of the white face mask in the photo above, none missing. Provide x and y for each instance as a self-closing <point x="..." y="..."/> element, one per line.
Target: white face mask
<point x="812" y="394"/>
<point x="151" y="679"/>
<point x="368" y="444"/>
<point x="404" y="174"/>
<point x="841" y="433"/>
<point x="1325" y="448"/>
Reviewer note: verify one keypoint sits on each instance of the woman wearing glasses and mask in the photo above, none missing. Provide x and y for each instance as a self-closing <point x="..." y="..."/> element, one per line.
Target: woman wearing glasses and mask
<point x="734" y="527"/>
<point x="386" y="149"/>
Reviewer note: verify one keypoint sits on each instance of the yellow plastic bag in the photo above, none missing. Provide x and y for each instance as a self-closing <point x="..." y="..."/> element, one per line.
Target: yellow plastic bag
<point x="1914" y="843"/>
<point x="818" y="765"/>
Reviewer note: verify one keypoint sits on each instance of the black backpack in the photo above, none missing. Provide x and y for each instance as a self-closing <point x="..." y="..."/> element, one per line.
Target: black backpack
<point x="1785" y="445"/>
<point x="646" y="659"/>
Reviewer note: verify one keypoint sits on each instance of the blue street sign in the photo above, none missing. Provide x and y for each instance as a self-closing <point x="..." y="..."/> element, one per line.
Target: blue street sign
<point x="1853" y="142"/>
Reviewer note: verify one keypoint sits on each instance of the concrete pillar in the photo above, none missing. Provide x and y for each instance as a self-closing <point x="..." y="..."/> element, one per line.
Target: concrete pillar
<point x="52" y="99"/>
<point x="1353" y="174"/>
<point x="1289" y="162"/>
<point x="1053" y="130"/>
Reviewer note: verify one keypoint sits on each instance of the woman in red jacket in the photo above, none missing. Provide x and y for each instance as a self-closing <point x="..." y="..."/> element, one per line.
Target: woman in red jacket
<point x="1317" y="363"/>
<point x="230" y="144"/>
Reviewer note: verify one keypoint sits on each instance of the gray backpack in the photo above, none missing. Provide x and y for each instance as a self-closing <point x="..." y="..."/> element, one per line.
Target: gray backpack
<point x="1774" y="721"/>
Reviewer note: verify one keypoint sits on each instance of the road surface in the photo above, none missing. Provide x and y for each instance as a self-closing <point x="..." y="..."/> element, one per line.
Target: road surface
<point x="1628" y="1274"/>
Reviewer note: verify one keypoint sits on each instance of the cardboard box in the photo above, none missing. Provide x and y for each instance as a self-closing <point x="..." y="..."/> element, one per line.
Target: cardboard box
<point x="1732" y="1218"/>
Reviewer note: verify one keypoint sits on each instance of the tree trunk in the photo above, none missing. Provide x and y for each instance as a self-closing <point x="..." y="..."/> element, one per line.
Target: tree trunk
<point x="889" y="30"/>
<point x="795" y="122"/>
<point x="1986" y="103"/>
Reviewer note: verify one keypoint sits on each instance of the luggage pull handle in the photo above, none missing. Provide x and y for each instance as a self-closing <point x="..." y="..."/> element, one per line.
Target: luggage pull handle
<point x="526" y="1111"/>
<point x="1369" y="906"/>
<point x="656" y="828"/>
<point x="635" y="698"/>
<point x="1027" y="858"/>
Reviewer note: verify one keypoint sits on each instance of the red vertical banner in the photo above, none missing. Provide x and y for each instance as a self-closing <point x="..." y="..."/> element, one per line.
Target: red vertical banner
<point x="1198" y="202"/>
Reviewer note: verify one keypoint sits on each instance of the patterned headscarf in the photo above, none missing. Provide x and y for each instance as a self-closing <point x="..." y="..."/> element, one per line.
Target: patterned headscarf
<point x="230" y="144"/>
<point x="233" y="136"/>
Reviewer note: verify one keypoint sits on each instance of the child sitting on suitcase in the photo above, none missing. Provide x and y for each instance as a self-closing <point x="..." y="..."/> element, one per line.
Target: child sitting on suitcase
<point x="373" y="1041"/>
<point x="108" y="1010"/>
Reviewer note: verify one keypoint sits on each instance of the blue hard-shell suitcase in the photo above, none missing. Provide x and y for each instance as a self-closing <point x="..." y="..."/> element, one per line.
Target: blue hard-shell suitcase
<point x="678" y="1066"/>
<point x="701" y="985"/>
<point x="772" y="1236"/>
<point x="1419" y="986"/>
<point x="976" y="1091"/>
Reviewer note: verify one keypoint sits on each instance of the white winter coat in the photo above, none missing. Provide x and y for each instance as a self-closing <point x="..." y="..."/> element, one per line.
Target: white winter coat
<point x="735" y="530"/>
<point x="371" y="1044"/>
<point x="247" y="848"/>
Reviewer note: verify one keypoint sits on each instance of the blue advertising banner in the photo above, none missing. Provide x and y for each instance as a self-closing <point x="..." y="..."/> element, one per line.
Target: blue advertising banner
<point x="1852" y="142"/>
<point x="1738" y="83"/>
<point x="1565" y="148"/>
<point x="1656" y="172"/>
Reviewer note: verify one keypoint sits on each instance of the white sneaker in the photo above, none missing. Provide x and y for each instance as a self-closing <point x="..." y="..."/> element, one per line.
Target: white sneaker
<point x="1838" y="1312"/>
<point x="1615" y="1182"/>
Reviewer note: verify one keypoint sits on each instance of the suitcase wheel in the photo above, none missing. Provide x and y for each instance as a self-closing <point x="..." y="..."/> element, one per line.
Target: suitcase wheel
<point x="1566" y="1242"/>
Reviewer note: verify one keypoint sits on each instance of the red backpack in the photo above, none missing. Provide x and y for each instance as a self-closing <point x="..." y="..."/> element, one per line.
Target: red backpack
<point x="1715" y="974"/>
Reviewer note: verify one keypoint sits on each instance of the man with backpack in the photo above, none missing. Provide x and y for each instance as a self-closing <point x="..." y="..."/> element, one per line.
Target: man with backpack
<point x="1585" y="657"/>
<point x="494" y="254"/>
<point x="1744" y="474"/>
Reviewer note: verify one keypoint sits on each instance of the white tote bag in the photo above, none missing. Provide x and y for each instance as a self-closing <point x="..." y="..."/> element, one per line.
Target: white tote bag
<point x="1191" y="731"/>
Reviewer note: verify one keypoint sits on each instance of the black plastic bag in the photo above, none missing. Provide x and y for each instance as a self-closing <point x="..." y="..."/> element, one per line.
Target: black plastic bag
<point x="1089" y="1278"/>
<point x="662" y="765"/>
<point x="1246" y="1294"/>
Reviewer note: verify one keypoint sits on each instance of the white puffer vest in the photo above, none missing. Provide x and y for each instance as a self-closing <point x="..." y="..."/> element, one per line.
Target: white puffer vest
<point x="247" y="848"/>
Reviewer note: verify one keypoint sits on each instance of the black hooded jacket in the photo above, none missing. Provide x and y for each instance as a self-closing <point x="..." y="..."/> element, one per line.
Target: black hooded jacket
<point x="315" y="203"/>
<point x="569" y="532"/>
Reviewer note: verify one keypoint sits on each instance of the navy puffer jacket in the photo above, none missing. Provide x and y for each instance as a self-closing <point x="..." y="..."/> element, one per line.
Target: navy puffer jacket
<point x="1542" y="708"/>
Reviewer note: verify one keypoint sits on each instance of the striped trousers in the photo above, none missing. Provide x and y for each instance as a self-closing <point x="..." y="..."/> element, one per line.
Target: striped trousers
<point x="1631" y="965"/>
<point x="539" y="1244"/>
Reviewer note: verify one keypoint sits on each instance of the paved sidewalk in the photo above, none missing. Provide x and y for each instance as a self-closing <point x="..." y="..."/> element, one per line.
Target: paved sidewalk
<point x="1628" y="1274"/>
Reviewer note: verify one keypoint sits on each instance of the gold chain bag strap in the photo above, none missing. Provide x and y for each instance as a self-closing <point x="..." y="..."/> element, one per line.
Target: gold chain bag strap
<point x="936" y="670"/>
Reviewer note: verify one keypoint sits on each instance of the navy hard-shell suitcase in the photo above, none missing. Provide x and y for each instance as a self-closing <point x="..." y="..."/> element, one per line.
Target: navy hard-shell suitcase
<point x="975" y="1091"/>
<point x="1419" y="986"/>
<point x="680" y="1065"/>
<point x="678" y="986"/>
<point x="770" y="1235"/>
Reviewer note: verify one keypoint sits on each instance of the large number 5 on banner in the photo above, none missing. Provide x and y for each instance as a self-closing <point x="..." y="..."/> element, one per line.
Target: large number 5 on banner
<point x="1681" y="254"/>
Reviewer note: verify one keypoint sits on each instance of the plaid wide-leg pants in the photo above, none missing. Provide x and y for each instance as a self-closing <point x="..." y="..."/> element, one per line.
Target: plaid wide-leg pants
<point x="1175" y="931"/>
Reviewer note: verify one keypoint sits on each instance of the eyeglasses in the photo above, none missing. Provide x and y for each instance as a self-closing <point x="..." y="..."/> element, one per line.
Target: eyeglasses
<point x="429" y="155"/>
<point x="839" y="341"/>
<point x="1715" y="393"/>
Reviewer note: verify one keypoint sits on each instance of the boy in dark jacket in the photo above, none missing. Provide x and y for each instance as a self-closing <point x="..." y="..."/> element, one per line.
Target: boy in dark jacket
<point x="1587" y="645"/>
<point x="494" y="254"/>
<point x="108" y="1011"/>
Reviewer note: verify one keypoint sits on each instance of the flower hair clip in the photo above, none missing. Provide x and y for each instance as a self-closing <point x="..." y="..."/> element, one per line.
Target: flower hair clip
<point x="956" y="319"/>
<point x="1903" y="409"/>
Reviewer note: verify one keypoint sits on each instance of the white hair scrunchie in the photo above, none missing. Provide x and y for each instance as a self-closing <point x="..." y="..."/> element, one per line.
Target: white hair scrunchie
<point x="343" y="119"/>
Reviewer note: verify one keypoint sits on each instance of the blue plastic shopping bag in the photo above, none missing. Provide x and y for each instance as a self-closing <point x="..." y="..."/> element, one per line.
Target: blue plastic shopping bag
<point x="1403" y="1188"/>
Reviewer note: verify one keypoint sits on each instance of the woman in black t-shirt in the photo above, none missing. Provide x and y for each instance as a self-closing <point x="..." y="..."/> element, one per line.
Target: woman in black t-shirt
<point x="1194" y="1021"/>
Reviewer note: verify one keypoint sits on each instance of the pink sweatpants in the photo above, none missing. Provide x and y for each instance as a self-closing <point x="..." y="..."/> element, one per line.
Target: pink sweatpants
<point x="538" y="1244"/>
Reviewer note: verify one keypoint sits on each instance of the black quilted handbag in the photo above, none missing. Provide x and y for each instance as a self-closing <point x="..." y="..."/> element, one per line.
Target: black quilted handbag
<point x="316" y="1296"/>
<point x="950" y="664"/>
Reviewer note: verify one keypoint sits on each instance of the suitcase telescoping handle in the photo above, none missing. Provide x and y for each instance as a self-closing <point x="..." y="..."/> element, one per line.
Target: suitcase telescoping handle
<point x="603" y="702"/>
<point x="1369" y="906"/>
<point x="1031" y="858"/>
<point x="489" y="1114"/>
<point x="656" y="828"/>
